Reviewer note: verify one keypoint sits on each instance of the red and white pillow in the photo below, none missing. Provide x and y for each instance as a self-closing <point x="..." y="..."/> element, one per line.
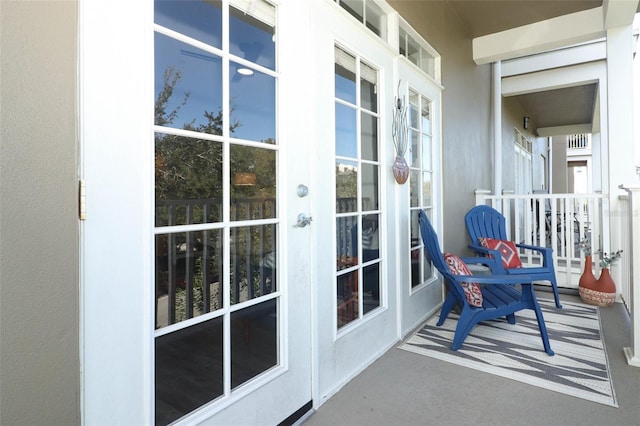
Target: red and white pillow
<point x="507" y="249"/>
<point x="471" y="290"/>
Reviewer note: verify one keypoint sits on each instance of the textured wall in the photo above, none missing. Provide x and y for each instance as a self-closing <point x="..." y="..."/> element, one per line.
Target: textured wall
<point x="39" y="351"/>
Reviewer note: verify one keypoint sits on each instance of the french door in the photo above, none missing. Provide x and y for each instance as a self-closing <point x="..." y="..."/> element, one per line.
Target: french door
<point x="356" y="302"/>
<point x="181" y="105"/>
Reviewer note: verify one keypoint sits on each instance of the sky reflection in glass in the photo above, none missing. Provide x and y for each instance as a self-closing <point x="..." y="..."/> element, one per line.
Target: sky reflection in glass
<point x="200" y="79"/>
<point x="199" y="20"/>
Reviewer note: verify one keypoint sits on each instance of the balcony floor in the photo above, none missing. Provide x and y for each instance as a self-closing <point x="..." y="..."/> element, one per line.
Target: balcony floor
<point x="402" y="388"/>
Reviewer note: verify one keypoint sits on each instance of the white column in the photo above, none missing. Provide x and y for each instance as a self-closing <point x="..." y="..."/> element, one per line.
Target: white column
<point x="632" y="353"/>
<point x="497" y="128"/>
<point x="617" y="158"/>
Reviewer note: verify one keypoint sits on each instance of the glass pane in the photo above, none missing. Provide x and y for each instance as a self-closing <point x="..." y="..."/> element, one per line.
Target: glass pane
<point x="346" y="186"/>
<point x="346" y="238"/>
<point x="426" y="152"/>
<point x="427" y="267"/>
<point x="369" y="137"/>
<point x="413" y="51"/>
<point x="188" y="180"/>
<point x="345" y="76"/>
<point x="188" y="275"/>
<point x="188" y="87"/>
<point x="370" y="237"/>
<point x="415" y="181"/>
<point x="428" y="64"/>
<point x="427" y="189"/>
<point x="416" y="237"/>
<point x="253" y="182"/>
<point x="253" y="262"/>
<point x="253" y="105"/>
<point x="426" y="116"/>
<point x="414" y="117"/>
<point x="368" y="87"/>
<point x="375" y="19"/>
<point x="370" y="187"/>
<point x="354" y="7"/>
<point x="254" y="341"/>
<point x="347" y="300"/>
<point x="201" y="20"/>
<point x="252" y="35"/>
<point x="416" y="262"/>
<point x="414" y="157"/>
<point x="346" y="132"/>
<point x="402" y="42"/>
<point x="188" y="369"/>
<point x="371" y="283"/>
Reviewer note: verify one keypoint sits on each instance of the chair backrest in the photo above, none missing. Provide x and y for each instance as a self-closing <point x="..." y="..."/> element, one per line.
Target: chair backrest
<point x="487" y="222"/>
<point x="432" y="247"/>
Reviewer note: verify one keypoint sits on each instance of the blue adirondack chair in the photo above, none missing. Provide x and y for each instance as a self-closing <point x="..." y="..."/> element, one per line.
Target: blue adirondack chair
<point x="500" y="296"/>
<point x="487" y="222"/>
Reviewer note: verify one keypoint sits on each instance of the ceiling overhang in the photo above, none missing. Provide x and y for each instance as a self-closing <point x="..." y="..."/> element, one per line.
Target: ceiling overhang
<point x="554" y="33"/>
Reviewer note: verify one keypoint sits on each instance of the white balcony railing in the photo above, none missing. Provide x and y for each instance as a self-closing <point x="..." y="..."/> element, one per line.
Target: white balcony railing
<point x="558" y="221"/>
<point x="579" y="141"/>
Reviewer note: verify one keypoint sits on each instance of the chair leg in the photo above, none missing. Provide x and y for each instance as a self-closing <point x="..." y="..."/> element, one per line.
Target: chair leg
<point x="543" y="329"/>
<point x="556" y="296"/>
<point x="466" y="322"/>
<point x="447" y="306"/>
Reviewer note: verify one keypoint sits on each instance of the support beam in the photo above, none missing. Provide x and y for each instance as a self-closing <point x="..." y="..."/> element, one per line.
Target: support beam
<point x="554" y="33"/>
<point x="564" y="130"/>
<point x="558" y="78"/>
<point x="541" y="36"/>
<point x="590" y="52"/>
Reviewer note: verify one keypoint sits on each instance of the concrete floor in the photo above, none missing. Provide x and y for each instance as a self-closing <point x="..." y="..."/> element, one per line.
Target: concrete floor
<point x="403" y="388"/>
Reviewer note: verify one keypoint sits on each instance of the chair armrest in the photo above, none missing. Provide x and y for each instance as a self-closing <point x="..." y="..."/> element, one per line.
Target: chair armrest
<point x="535" y="248"/>
<point x="496" y="267"/>
<point x="485" y="250"/>
<point x="494" y="279"/>
<point x="488" y="261"/>
<point x="546" y="252"/>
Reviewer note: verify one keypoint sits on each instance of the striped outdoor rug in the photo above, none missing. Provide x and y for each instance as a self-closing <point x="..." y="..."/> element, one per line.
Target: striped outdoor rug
<point x="579" y="368"/>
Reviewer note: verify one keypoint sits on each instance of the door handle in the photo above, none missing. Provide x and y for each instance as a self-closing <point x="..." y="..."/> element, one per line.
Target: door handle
<point x="303" y="220"/>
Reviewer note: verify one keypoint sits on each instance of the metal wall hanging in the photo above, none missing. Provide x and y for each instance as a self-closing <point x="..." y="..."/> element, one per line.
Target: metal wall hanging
<point x="400" y="133"/>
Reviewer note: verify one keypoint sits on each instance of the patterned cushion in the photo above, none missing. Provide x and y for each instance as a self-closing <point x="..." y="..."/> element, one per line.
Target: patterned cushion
<point x="507" y="249"/>
<point x="458" y="267"/>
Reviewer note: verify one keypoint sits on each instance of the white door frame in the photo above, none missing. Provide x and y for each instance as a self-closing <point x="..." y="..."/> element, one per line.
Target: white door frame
<point x="116" y="238"/>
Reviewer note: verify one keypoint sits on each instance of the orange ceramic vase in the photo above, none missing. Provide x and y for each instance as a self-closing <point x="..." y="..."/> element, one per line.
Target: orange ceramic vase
<point x="599" y="292"/>
<point x="587" y="280"/>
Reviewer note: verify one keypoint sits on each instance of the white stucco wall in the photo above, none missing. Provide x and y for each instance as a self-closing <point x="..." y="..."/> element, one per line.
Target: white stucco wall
<point x="40" y="370"/>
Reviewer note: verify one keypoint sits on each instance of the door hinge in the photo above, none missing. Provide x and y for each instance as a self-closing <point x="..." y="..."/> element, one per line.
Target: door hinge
<point x="82" y="200"/>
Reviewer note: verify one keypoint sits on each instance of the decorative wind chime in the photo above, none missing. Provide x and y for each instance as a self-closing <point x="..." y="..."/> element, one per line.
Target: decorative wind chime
<point x="400" y="133"/>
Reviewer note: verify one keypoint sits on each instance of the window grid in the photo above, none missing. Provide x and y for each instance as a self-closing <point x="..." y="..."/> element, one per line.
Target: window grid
<point x="357" y="174"/>
<point x="420" y="181"/>
<point x="417" y="51"/>
<point x="217" y="221"/>
<point x="368" y="13"/>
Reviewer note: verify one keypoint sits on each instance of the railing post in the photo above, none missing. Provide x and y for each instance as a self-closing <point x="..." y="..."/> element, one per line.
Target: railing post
<point x="481" y="195"/>
<point x="632" y="353"/>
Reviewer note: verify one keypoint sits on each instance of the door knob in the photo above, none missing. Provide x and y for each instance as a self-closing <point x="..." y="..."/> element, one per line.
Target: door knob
<point x="303" y="220"/>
